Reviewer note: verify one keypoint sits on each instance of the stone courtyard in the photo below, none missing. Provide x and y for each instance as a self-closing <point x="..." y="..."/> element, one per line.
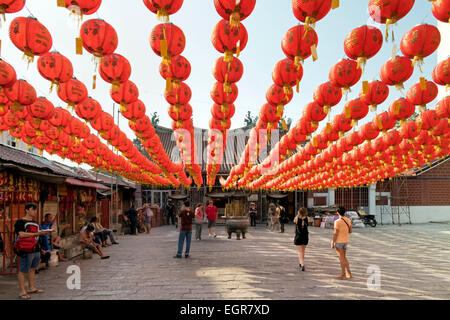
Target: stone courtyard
<point x="413" y="261"/>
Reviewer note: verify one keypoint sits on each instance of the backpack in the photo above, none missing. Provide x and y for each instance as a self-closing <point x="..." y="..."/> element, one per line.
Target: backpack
<point x="28" y="244"/>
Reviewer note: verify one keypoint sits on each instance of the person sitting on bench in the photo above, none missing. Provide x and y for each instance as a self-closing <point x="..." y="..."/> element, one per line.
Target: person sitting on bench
<point x="87" y="241"/>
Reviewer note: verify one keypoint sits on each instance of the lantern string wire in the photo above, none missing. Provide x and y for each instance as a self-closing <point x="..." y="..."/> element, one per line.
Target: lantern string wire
<point x="29" y="11"/>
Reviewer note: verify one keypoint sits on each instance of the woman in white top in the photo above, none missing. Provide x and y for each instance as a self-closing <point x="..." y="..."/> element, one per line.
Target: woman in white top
<point x="148" y="216"/>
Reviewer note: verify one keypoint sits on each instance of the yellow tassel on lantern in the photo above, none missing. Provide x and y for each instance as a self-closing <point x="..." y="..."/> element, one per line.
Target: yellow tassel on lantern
<point x="396" y="108"/>
<point x="284" y="125"/>
<point x="334" y="4"/>
<point x="423" y="83"/>
<point x="61" y="3"/>
<point x="347" y="111"/>
<point x="365" y="87"/>
<point x="79" y="46"/>
<point x="297" y="85"/>
<point x="168" y="84"/>
<point x="280" y="110"/>
<point x="94" y="84"/>
<point x="314" y="52"/>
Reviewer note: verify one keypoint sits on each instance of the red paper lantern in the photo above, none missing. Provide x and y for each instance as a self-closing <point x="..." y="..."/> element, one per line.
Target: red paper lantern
<point x="383" y="121"/>
<point x="30" y="36"/>
<point x="342" y="123"/>
<point x="369" y="131"/>
<point x="269" y="113"/>
<point x="428" y="119"/>
<point x="228" y="39"/>
<point x="234" y="11"/>
<point x="396" y="71"/>
<point x="409" y="130"/>
<point x="133" y="111"/>
<point x="376" y="94"/>
<point x="392" y="138"/>
<point x="285" y="74"/>
<point x="277" y="96"/>
<point x="72" y="92"/>
<point x="181" y="95"/>
<point x="143" y="124"/>
<point x="220" y="96"/>
<point x="420" y="42"/>
<point x="171" y="37"/>
<point x="8" y="75"/>
<point x="180" y="112"/>
<point x="356" y="109"/>
<point x="99" y="37"/>
<point x="115" y="69"/>
<point x="389" y="11"/>
<point x="223" y="112"/>
<point x="11" y="6"/>
<point x="401" y="109"/>
<point x="83" y="7"/>
<point x="21" y="94"/>
<point x="443" y="108"/>
<point x="345" y="74"/>
<point x="55" y="67"/>
<point x="61" y="118"/>
<point x="310" y="12"/>
<point x="419" y="97"/>
<point x="314" y="112"/>
<point x="41" y="109"/>
<point x="441" y="10"/>
<point x="363" y="43"/>
<point x="441" y="73"/>
<point x="296" y="45"/>
<point x="178" y="70"/>
<point x="4" y="103"/>
<point x="91" y="142"/>
<point x="327" y="95"/>
<point x="103" y="122"/>
<point x="228" y="72"/>
<point x="163" y="8"/>
<point x="125" y="93"/>
<point x="89" y="109"/>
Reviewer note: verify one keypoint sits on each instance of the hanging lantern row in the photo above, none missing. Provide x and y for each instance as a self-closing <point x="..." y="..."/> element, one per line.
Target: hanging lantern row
<point x="298" y="44"/>
<point x="58" y="69"/>
<point x="116" y="69"/>
<point x="399" y="110"/>
<point x="57" y="132"/>
<point x="344" y="75"/>
<point x="388" y="142"/>
<point x="229" y="36"/>
<point x="34" y="39"/>
<point x="168" y="41"/>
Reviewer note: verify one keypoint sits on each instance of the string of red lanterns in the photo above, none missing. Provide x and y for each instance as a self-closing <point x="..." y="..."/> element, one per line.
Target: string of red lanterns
<point x="229" y="37"/>
<point x="168" y="41"/>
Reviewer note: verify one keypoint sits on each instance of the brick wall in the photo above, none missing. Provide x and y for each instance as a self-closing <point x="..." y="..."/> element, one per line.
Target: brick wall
<point x="431" y="188"/>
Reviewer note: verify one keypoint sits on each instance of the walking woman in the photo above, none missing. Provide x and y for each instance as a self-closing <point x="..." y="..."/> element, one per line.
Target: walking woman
<point x="342" y="229"/>
<point x="198" y="221"/>
<point x="301" y="235"/>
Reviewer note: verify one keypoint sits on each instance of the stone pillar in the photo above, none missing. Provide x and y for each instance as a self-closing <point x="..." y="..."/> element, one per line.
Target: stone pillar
<point x="372" y="199"/>
<point x="331" y="198"/>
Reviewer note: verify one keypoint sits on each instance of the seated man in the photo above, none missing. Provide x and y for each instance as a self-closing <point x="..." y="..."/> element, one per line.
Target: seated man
<point x="87" y="241"/>
<point x="102" y="232"/>
<point x="45" y="253"/>
<point x="47" y="224"/>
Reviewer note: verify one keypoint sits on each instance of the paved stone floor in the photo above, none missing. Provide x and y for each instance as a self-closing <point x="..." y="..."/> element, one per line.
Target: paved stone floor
<point x="413" y="260"/>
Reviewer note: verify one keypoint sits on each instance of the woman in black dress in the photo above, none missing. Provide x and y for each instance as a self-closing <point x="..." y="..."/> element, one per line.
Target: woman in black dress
<point x="301" y="235"/>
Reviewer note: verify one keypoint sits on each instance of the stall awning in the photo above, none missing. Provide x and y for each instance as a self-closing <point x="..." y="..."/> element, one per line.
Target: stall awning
<point x="178" y="196"/>
<point x="277" y="195"/>
<point x="87" y="184"/>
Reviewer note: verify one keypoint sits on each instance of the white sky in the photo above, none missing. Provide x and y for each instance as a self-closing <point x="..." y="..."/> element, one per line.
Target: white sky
<point x="266" y="26"/>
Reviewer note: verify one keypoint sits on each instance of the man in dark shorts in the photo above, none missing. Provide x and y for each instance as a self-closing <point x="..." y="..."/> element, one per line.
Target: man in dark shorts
<point x="132" y="215"/>
<point x="27" y="227"/>
<point x="87" y="241"/>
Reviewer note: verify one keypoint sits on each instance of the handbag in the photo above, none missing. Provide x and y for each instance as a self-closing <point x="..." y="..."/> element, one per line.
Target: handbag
<point x="27" y="244"/>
